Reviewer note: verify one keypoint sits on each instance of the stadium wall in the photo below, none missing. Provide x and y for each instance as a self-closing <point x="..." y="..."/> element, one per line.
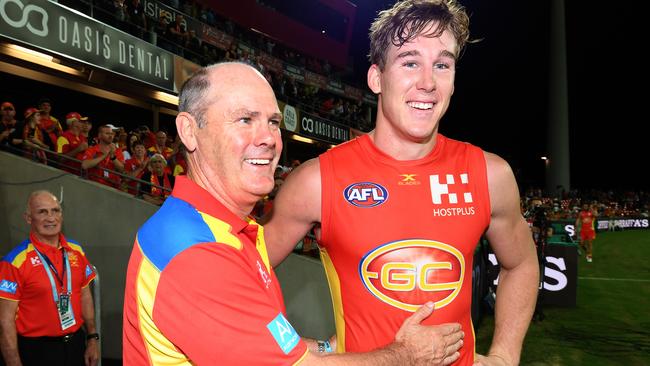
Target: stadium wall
<point x="105" y="222"/>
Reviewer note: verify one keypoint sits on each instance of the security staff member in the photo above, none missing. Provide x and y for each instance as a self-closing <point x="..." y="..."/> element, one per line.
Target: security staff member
<point x="44" y="294"/>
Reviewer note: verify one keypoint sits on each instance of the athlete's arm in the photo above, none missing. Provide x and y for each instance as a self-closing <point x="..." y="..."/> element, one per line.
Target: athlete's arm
<point x="8" y="335"/>
<point x="512" y="242"/>
<point x="296" y="208"/>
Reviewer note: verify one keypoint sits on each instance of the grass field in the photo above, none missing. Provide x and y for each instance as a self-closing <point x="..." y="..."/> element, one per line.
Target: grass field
<point x="610" y="324"/>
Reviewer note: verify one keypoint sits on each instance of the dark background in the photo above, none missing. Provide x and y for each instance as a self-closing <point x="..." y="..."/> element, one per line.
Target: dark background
<point x="502" y="89"/>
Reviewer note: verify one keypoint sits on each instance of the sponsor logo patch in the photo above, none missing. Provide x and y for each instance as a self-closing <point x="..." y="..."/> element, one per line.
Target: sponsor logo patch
<point x="74" y="260"/>
<point x="89" y="271"/>
<point x="409" y="180"/>
<point x="365" y="194"/>
<point x="441" y="187"/>
<point x="407" y="273"/>
<point x="284" y="334"/>
<point x="35" y="261"/>
<point x="8" y="286"/>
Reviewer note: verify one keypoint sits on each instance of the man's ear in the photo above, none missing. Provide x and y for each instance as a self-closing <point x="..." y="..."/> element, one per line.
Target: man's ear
<point x="186" y="126"/>
<point x="28" y="218"/>
<point x="374" y="79"/>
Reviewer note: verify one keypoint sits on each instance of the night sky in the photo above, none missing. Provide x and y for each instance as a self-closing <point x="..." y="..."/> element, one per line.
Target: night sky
<point x="501" y="97"/>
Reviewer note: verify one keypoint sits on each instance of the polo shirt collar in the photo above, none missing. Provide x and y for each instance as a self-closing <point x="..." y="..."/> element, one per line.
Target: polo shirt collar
<point x="190" y="192"/>
<point x="46" y="247"/>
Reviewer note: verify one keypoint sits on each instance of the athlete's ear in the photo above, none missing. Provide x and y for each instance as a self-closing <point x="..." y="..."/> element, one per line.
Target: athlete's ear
<point x="374" y="79"/>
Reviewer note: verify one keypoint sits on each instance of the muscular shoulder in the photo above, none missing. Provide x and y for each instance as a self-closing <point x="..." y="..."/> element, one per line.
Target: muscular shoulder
<point x="498" y="169"/>
<point x="300" y="193"/>
<point x="307" y="173"/>
<point x="501" y="183"/>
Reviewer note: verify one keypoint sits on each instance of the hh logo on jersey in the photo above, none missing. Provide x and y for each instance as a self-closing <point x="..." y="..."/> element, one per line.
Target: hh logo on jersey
<point x="409" y="180"/>
<point x="407" y="273"/>
<point x="365" y="194"/>
<point x="283" y="332"/>
<point x="8" y="286"/>
<point x="446" y="186"/>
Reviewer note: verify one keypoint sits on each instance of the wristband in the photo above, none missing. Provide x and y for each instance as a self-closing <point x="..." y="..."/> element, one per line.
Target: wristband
<point x="92" y="336"/>
<point x="324" y="347"/>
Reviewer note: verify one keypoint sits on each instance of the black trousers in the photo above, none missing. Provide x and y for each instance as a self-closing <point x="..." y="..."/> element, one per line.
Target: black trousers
<point x="64" y="351"/>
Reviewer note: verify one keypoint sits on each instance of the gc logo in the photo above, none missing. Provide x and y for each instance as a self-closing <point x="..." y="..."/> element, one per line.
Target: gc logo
<point x="407" y="273"/>
<point x="25" y="17"/>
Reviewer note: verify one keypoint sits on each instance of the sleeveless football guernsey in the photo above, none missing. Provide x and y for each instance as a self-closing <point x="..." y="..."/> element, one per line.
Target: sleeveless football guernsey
<point x="396" y="234"/>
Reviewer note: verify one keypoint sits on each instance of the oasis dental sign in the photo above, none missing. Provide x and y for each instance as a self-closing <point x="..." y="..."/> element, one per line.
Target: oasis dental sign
<point x="53" y="27"/>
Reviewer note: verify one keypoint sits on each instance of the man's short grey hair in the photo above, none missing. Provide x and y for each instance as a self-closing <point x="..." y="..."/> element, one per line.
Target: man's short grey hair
<point x="192" y="94"/>
<point x="192" y="98"/>
<point x="39" y="192"/>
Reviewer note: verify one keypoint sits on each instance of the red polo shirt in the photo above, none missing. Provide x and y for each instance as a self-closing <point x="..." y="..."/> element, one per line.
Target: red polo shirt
<point x="23" y="278"/>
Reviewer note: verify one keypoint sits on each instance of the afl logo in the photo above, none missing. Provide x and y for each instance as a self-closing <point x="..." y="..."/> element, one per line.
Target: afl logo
<point x="365" y="194"/>
<point x="408" y="273"/>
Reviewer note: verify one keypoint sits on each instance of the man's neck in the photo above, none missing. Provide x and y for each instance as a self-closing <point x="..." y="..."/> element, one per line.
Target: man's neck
<point x="217" y="192"/>
<point x="51" y="240"/>
<point x="399" y="147"/>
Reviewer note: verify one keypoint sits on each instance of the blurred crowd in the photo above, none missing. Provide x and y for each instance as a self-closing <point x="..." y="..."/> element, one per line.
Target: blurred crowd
<point x="172" y="33"/>
<point x="605" y="204"/>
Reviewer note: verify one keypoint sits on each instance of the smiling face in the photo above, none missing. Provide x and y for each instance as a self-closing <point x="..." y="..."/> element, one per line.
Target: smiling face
<point x="45" y="216"/>
<point x="415" y="87"/>
<point x="238" y="149"/>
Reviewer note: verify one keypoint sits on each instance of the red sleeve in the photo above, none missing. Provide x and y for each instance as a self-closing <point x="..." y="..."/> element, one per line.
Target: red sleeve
<point x="89" y="271"/>
<point x="89" y="153"/>
<point x="213" y="306"/>
<point x="119" y="155"/>
<point x="129" y="165"/>
<point x="10" y="284"/>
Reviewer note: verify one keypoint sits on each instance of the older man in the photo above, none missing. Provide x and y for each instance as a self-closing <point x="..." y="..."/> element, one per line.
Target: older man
<point x="44" y="295"/>
<point x="200" y="288"/>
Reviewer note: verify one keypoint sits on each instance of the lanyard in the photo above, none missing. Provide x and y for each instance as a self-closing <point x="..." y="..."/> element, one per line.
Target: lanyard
<point x="66" y="268"/>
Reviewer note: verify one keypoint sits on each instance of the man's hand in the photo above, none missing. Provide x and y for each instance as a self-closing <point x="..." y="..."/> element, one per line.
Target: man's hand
<point x="489" y="360"/>
<point x="431" y="345"/>
<point x="91" y="356"/>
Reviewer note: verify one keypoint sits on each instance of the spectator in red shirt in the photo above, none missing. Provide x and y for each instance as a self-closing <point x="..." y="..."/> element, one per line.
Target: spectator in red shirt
<point x="49" y="123"/>
<point x="161" y="146"/>
<point x="33" y="137"/>
<point x="136" y="166"/>
<point x="160" y="181"/>
<point x="72" y="143"/>
<point x="104" y="159"/>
